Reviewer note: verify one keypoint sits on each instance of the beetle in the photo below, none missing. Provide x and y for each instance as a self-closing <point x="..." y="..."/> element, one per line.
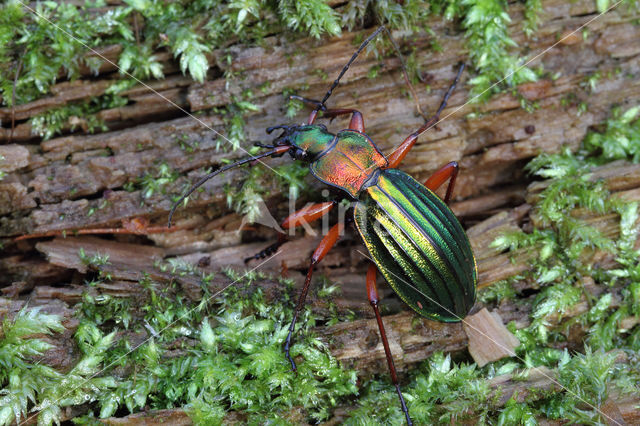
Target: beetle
<point x="412" y="236"/>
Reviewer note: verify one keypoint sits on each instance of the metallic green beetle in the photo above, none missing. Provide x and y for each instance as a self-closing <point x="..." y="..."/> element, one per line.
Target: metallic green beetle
<point x="413" y="238"/>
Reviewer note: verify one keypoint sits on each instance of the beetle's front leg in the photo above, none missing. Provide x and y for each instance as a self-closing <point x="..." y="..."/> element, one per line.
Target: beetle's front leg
<point x="327" y="243"/>
<point x="372" y="294"/>
<point x="357" y="120"/>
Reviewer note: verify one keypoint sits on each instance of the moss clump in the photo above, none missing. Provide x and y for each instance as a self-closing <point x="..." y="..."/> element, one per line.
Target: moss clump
<point x="210" y="358"/>
<point x="565" y="244"/>
<point x="486" y="23"/>
<point x="29" y="386"/>
<point x="42" y="47"/>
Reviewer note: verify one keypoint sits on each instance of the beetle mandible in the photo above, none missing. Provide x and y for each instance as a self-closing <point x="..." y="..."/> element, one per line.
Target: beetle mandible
<point x="412" y="236"/>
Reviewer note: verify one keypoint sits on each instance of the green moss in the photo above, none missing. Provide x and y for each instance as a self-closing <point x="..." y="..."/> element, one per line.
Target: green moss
<point x="248" y="199"/>
<point x="488" y="43"/>
<point x="39" y="52"/>
<point x="28" y="385"/>
<point x="218" y="355"/>
<point x="155" y="181"/>
<point x="565" y="242"/>
<point x="620" y="138"/>
<point x="498" y="292"/>
<point x="82" y="114"/>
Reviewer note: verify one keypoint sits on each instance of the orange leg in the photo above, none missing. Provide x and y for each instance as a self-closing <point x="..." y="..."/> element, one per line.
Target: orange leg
<point x="401" y="151"/>
<point x="305" y="215"/>
<point x="448" y="171"/>
<point x="372" y="293"/>
<point x="308" y="214"/>
<point x="357" y="121"/>
<point x="323" y="248"/>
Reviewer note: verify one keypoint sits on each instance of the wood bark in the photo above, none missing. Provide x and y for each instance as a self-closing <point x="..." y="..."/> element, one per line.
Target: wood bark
<point x="77" y="181"/>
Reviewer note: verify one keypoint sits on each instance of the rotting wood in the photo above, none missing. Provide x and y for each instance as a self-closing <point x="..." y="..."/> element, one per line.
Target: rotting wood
<point x="489" y="339"/>
<point x="355" y="344"/>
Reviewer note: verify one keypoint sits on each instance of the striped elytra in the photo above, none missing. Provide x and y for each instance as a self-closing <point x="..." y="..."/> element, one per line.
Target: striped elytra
<point x="418" y="245"/>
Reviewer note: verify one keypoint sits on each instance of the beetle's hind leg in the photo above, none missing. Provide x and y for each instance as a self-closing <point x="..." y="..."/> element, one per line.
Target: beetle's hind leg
<point x="372" y="294"/>
<point x="303" y="216"/>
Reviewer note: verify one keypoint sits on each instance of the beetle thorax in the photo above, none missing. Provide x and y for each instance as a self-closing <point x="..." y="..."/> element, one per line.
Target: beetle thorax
<point x="349" y="162"/>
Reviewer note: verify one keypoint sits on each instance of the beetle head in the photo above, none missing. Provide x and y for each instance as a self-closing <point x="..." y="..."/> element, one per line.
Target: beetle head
<point x="305" y="141"/>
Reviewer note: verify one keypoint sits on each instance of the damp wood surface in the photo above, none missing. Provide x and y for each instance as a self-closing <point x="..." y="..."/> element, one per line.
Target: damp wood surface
<point x="77" y="180"/>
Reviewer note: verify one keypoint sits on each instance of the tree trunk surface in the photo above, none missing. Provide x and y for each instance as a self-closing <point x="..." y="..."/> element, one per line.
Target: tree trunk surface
<point x="76" y="181"/>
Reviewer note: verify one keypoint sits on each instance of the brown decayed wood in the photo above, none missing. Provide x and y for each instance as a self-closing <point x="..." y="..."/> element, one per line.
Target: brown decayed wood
<point x="355" y="343"/>
<point x="489" y="339"/>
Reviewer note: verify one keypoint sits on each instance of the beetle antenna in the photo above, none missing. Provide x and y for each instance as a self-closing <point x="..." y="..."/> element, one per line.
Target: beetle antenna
<point x="404" y="73"/>
<point x="277" y="151"/>
<point x="346" y="67"/>
<point x="445" y="99"/>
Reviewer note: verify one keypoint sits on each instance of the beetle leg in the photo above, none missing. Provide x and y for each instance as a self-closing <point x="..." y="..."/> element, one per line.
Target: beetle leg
<point x="448" y="171"/>
<point x="323" y="248"/>
<point x="372" y="293"/>
<point x="304" y="215"/>
<point x="308" y="214"/>
<point x="268" y="251"/>
<point x="317" y="104"/>
<point x="357" y="121"/>
<point x="401" y="151"/>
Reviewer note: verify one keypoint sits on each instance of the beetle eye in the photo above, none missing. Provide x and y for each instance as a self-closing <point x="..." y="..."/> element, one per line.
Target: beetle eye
<point x="300" y="154"/>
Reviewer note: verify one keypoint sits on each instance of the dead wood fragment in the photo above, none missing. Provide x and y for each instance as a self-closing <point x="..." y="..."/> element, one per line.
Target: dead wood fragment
<point x="489" y="339"/>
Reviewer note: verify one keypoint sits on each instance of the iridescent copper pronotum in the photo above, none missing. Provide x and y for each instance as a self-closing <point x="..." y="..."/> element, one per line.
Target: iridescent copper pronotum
<point x="412" y="236"/>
